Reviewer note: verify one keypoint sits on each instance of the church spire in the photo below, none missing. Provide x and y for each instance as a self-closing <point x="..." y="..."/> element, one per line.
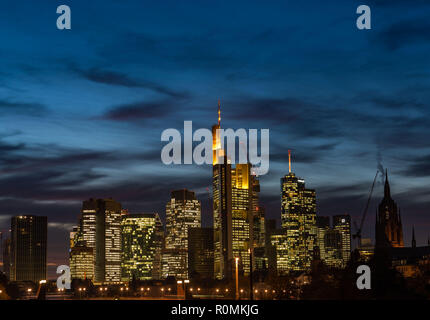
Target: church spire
<point x="414" y="242"/>
<point x="387" y="193"/>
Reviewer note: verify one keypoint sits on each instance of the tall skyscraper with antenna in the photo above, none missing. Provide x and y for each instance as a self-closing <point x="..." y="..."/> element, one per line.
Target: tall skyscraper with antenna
<point x="298" y="220"/>
<point x="222" y="210"/>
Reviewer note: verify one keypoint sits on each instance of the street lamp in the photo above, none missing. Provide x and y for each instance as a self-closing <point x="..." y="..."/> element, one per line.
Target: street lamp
<point x="237" y="277"/>
<point x="250" y="274"/>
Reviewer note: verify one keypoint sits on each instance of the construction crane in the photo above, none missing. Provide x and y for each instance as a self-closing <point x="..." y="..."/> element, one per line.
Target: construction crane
<point x="357" y="235"/>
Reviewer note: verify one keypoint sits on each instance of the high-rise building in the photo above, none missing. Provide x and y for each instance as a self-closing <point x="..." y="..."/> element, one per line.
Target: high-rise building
<point x="334" y="243"/>
<point x="28" y="248"/>
<point x="342" y="223"/>
<point x="74" y="236"/>
<point x="270" y="250"/>
<point x="200" y="253"/>
<point x="6" y="257"/>
<point x="242" y="214"/>
<point x="142" y="241"/>
<point x="260" y="258"/>
<point x="222" y="206"/>
<point x="389" y="232"/>
<point x="107" y="237"/>
<point x="87" y="227"/>
<point x="279" y="243"/>
<point x="323" y="226"/>
<point x="183" y="211"/>
<point x="81" y="261"/>
<point x="298" y="219"/>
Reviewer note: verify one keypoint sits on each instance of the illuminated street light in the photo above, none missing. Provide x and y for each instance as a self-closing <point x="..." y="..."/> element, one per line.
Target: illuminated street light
<point x="237" y="277"/>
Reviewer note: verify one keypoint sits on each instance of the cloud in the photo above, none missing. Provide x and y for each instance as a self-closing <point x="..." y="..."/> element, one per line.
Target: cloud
<point x="121" y="79"/>
<point x="419" y="168"/>
<point x="61" y="226"/>
<point x="138" y="111"/>
<point x="22" y="108"/>
<point x="404" y="33"/>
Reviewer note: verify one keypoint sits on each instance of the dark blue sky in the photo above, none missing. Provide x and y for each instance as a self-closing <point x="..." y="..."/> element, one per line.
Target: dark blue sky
<point x="82" y="111"/>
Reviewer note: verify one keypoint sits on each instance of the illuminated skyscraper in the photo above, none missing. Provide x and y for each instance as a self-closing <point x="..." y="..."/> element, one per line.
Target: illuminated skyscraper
<point x="81" y="262"/>
<point x="342" y="223"/>
<point x="75" y="235"/>
<point x="279" y="242"/>
<point x="298" y="220"/>
<point x="107" y="240"/>
<point x="87" y="227"/>
<point x="334" y="243"/>
<point x="222" y="206"/>
<point x="235" y="208"/>
<point x="142" y="240"/>
<point x="323" y="226"/>
<point x="28" y="248"/>
<point x="242" y="214"/>
<point x="389" y="232"/>
<point x="183" y="211"/>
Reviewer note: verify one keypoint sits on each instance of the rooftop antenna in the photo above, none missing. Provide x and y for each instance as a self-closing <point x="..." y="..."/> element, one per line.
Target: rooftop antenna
<point x="289" y="161"/>
<point x="219" y="112"/>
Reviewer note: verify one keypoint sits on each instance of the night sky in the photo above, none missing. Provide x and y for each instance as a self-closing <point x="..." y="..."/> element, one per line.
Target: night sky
<point x="82" y="110"/>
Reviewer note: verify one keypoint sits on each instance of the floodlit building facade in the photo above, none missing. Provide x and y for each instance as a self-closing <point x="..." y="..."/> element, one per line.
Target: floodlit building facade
<point x="298" y="221"/>
<point x="183" y="211"/>
<point x="81" y="263"/>
<point x="142" y="241"/>
<point x="107" y="238"/>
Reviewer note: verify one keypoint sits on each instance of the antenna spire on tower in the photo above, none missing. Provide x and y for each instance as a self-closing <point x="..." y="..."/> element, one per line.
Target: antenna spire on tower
<point x="289" y="161"/>
<point x="219" y="112"/>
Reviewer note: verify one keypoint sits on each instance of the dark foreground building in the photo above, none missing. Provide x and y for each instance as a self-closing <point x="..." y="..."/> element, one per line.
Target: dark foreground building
<point x="201" y="253"/>
<point x="28" y="248"/>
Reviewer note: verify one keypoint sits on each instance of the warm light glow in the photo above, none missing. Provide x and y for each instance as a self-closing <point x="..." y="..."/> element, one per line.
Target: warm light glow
<point x="42" y="281"/>
<point x="186" y="281"/>
<point x="179" y="281"/>
<point x="28" y="290"/>
<point x="241" y="290"/>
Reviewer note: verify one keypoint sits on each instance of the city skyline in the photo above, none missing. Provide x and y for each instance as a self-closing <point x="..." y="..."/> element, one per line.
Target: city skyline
<point x="82" y="113"/>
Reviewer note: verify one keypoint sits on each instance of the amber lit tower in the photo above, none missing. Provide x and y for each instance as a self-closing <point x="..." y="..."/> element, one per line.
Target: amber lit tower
<point x="222" y="212"/>
<point x="298" y="220"/>
<point x="388" y="231"/>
